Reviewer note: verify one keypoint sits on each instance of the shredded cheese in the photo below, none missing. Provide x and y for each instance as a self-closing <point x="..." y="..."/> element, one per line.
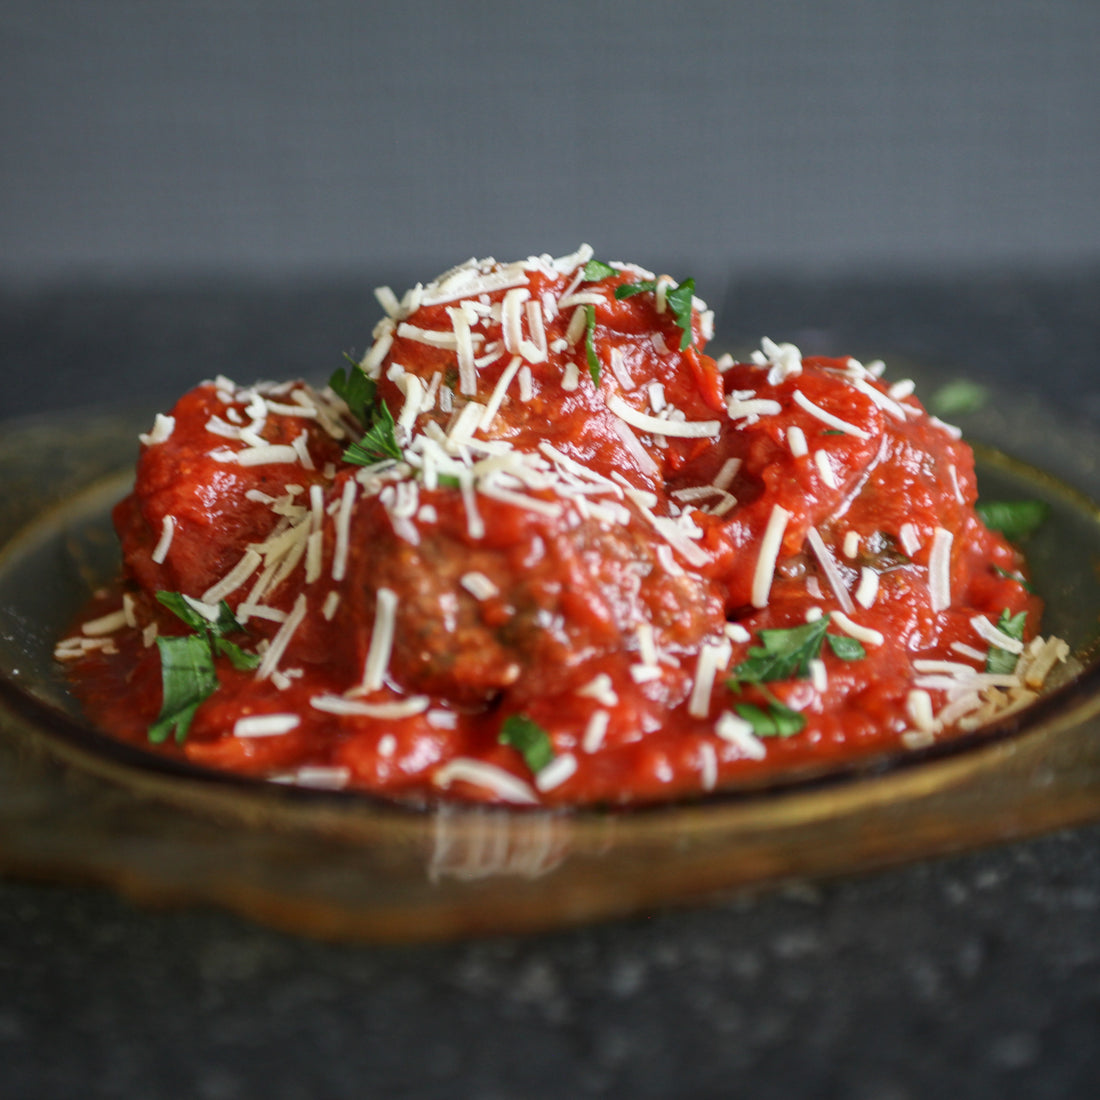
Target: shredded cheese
<point x="655" y="425"/>
<point x="768" y="555"/>
<point x="266" y="725"/>
<point x="854" y="630"/>
<point x="167" y="532"/>
<point x="828" y="418"/>
<point x="830" y="568"/>
<point x="939" y="570"/>
<point x="381" y="641"/>
<point x="501" y="783"/>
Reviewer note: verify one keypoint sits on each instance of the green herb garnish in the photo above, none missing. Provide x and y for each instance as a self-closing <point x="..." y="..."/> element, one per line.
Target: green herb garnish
<point x="628" y="290"/>
<point x="1015" y="519"/>
<point x="1009" y="575"/>
<point x="379" y="441"/>
<point x="226" y="622"/>
<point x="786" y="653"/>
<point x="188" y="678"/>
<point x="187" y="663"/>
<point x="529" y="739"/>
<point x="214" y="632"/>
<point x="596" y="271"/>
<point x="360" y="394"/>
<point x="679" y="299"/>
<point x="846" y="648"/>
<point x="959" y="396"/>
<point x="357" y="390"/>
<point x="776" y="720"/>
<point x="590" y="344"/>
<point x="1000" y="660"/>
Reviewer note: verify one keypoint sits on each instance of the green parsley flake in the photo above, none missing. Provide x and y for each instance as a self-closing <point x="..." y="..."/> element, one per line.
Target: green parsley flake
<point x="360" y="394"/>
<point x="378" y="443"/>
<point x="187" y="671"/>
<point x="1000" y="660"/>
<point x="595" y="271"/>
<point x="628" y="290"/>
<point x="959" y="396"/>
<point x="357" y="390"/>
<point x="776" y="720"/>
<point x="846" y="648"/>
<point x="1015" y="519"/>
<point x="188" y="679"/>
<point x="529" y="739"/>
<point x="679" y="299"/>
<point x="178" y="604"/>
<point x="1009" y="575"/>
<point x="590" y="344"/>
<point x="786" y="653"/>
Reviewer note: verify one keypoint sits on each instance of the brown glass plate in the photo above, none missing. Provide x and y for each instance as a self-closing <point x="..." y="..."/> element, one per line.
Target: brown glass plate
<point x="77" y="806"/>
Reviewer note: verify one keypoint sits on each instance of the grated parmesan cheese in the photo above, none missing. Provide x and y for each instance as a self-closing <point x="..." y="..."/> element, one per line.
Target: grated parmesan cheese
<point x="768" y="555"/>
<point x="266" y="725"/>
<point x="501" y="783"/>
<point x="167" y="532"/>
<point x="854" y="630"/>
<point x="939" y="570"/>
<point x="828" y="418"/>
<point x="381" y="641"/>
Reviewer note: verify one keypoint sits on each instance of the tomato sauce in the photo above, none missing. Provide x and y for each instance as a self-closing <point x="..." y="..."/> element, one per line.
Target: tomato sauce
<point x="565" y="519"/>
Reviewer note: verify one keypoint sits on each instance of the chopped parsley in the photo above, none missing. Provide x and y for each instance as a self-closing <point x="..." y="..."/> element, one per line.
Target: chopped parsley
<point x="590" y="344"/>
<point x="360" y="394"/>
<point x="1015" y="519"/>
<point x="188" y="678"/>
<point x="187" y="670"/>
<point x="775" y="720"/>
<point x="357" y="390"/>
<point x="786" y="653"/>
<point x="959" y="396"/>
<point x="628" y="290"/>
<point x="529" y="739"/>
<point x="379" y="441"/>
<point x="846" y="648"/>
<point x="1009" y="575"/>
<point x="1000" y="660"/>
<point x="595" y="271"/>
<point x="679" y="299"/>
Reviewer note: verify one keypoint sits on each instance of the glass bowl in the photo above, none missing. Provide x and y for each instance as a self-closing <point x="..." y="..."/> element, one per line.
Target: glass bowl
<point x="76" y="805"/>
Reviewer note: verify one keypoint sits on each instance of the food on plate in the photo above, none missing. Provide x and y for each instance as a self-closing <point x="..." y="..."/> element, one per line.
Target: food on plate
<point x="538" y="546"/>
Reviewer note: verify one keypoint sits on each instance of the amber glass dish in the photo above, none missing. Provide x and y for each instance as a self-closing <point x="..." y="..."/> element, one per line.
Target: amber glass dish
<point x="76" y="805"/>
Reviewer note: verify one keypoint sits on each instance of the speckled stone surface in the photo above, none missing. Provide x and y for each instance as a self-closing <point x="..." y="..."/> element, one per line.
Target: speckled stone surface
<point x="977" y="976"/>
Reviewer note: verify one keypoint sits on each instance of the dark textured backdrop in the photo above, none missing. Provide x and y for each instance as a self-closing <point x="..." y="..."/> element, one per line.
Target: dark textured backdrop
<point x="286" y="136"/>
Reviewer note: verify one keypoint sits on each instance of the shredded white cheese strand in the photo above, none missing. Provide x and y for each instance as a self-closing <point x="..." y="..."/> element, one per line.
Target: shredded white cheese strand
<point x="826" y="417"/>
<point x="655" y="425"/>
<point x="939" y="570"/>
<point x="768" y="555"/>
<point x="830" y="568"/>
<point x="381" y="641"/>
<point x="167" y="532"/>
<point x="266" y="725"/>
<point x="502" y="783"/>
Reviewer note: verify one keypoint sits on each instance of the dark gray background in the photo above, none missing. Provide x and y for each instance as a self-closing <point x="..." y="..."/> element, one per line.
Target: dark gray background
<point x="714" y="137"/>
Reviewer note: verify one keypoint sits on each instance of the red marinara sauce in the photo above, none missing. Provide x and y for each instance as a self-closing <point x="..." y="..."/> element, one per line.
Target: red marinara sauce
<point x="544" y="574"/>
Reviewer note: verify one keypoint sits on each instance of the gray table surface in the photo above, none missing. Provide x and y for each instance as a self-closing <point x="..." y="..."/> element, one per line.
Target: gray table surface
<point x="978" y="974"/>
